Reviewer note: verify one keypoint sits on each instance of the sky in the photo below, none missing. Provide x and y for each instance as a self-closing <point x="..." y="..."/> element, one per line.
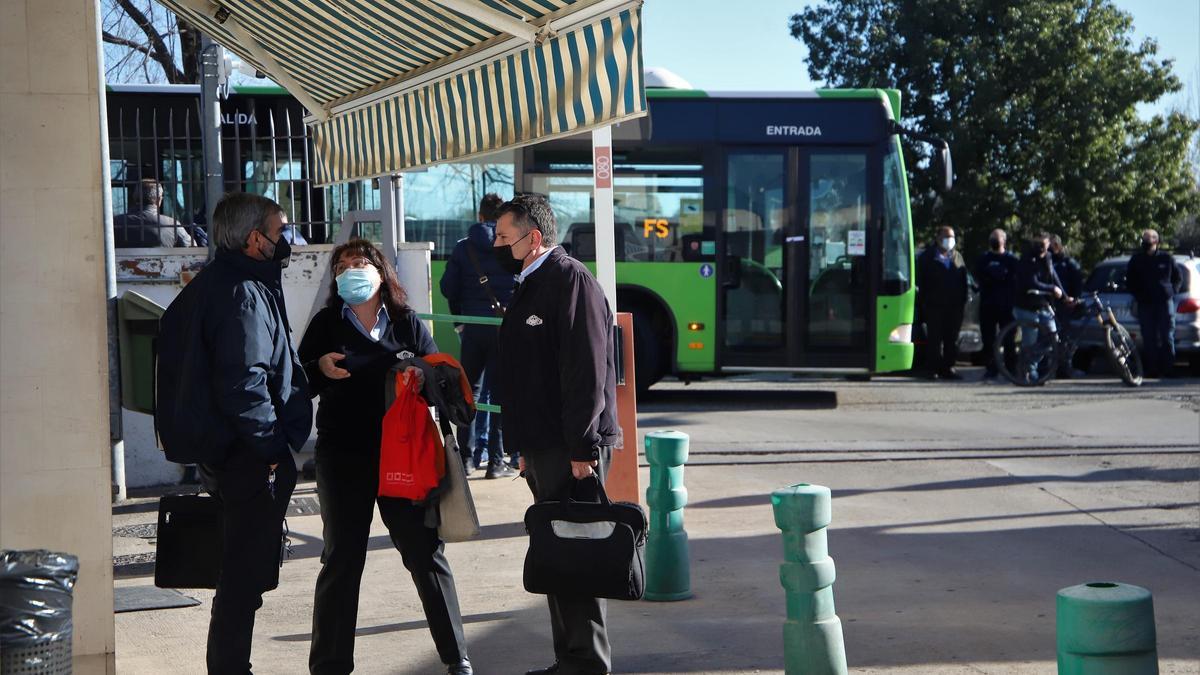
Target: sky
<point x="717" y="48"/>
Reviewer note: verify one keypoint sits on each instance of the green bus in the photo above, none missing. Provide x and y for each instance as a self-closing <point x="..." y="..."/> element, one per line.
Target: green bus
<point x="754" y="232"/>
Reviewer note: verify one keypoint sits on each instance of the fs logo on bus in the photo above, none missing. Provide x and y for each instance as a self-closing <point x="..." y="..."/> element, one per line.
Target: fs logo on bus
<point x="658" y="227"/>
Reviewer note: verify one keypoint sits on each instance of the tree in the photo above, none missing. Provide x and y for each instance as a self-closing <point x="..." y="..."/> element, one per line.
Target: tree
<point x="146" y="43"/>
<point x="1038" y="102"/>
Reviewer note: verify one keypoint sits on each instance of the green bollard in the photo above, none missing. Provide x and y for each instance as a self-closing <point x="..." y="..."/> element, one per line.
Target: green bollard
<point x="668" y="576"/>
<point x="812" y="634"/>
<point x="1106" y="629"/>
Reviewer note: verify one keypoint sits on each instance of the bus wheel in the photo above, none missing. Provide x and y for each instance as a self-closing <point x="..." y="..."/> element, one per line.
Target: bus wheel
<point x="647" y="351"/>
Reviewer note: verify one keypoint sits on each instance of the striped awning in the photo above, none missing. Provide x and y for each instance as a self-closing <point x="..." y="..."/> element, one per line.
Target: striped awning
<point x="399" y="84"/>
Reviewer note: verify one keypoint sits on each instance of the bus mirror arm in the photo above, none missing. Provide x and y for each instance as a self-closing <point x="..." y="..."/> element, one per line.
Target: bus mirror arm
<point x="943" y="163"/>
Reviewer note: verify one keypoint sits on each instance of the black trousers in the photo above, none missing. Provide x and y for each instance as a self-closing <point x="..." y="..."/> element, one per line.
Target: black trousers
<point x="578" y="624"/>
<point x="347" y="485"/>
<point x="942" y="325"/>
<point x="480" y="351"/>
<point x="1157" y="321"/>
<point x="992" y="319"/>
<point x="250" y="562"/>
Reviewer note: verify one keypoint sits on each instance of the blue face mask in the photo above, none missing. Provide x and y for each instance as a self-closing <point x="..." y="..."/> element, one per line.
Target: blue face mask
<point x="357" y="286"/>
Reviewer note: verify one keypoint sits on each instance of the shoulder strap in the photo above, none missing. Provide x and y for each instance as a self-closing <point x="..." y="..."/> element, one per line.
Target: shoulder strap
<point x="497" y="308"/>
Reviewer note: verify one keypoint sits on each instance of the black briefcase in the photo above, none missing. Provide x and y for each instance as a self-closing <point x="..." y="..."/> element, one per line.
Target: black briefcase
<point x="589" y="549"/>
<point x="190" y="542"/>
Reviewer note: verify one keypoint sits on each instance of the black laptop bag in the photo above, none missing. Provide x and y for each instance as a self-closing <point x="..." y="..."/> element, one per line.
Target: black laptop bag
<point x="588" y="549"/>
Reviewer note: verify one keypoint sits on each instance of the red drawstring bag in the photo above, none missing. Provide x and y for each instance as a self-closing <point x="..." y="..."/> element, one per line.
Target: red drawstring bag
<point x="411" y="459"/>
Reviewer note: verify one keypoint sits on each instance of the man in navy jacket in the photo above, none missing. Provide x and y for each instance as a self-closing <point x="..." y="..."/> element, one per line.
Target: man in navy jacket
<point x="475" y="285"/>
<point x="1153" y="279"/>
<point x="558" y="391"/>
<point x="232" y="397"/>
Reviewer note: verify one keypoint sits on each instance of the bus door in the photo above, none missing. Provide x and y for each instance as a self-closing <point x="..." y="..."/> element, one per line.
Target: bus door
<point x="795" y="259"/>
<point x="757" y="270"/>
<point x="837" y="298"/>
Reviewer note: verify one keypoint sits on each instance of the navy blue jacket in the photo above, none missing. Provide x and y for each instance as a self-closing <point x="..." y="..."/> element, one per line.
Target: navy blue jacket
<point x="1070" y="274"/>
<point x="460" y="282"/>
<point x="557" y="370"/>
<point x="1036" y="273"/>
<point x="996" y="274"/>
<point x="1153" y="278"/>
<point x="228" y="377"/>
<point x="941" y="288"/>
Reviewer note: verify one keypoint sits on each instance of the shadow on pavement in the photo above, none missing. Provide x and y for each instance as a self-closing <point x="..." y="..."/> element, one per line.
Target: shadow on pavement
<point x="684" y="400"/>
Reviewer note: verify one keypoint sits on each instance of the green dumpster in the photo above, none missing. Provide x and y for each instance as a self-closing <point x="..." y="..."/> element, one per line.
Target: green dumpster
<point x="137" y="330"/>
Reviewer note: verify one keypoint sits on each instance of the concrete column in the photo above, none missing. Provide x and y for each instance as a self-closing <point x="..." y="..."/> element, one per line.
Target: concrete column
<point x="54" y="447"/>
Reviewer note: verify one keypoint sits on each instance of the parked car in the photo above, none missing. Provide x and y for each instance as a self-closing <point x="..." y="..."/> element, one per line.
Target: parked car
<point x="1108" y="279"/>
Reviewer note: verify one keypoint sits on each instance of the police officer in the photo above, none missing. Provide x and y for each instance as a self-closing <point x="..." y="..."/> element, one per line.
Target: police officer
<point x="996" y="274"/>
<point x="1153" y="279"/>
<point x="1067" y="268"/>
<point x="558" y="391"/>
<point x="941" y="296"/>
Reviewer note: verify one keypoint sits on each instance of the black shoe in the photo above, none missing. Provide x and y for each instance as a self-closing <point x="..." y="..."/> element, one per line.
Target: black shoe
<point x="468" y="467"/>
<point x="548" y="670"/>
<point x="461" y="668"/>
<point x="499" y="470"/>
<point x="950" y="374"/>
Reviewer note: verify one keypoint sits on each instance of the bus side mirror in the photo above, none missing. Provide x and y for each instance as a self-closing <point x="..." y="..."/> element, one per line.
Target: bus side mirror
<point x="945" y="166"/>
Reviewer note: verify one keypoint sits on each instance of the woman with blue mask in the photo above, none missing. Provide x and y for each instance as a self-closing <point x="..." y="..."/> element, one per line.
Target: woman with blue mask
<point x="347" y="351"/>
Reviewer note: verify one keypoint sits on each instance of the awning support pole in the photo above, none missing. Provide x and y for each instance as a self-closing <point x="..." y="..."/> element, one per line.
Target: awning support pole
<point x="489" y="17"/>
<point x="602" y="197"/>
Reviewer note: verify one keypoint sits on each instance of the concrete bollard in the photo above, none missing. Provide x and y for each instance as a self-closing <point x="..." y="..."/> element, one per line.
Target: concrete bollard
<point x="812" y="634"/>
<point x="1106" y="628"/>
<point x="668" y="575"/>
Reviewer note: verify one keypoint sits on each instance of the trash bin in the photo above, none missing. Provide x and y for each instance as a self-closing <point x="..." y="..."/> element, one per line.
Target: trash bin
<point x="137" y="331"/>
<point x="35" y="611"/>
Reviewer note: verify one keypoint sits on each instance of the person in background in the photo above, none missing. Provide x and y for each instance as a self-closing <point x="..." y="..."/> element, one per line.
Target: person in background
<point x="1069" y="272"/>
<point x="941" y="297"/>
<point x="1070" y="275"/>
<point x="558" y="392"/>
<point x="476" y="285"/>
<point x="1153" y="279"/>
<point x="348" y="350"/>
<point x="996" y="274"/>
<point x="146" y="227"/>
<point x="1037" y="288"/>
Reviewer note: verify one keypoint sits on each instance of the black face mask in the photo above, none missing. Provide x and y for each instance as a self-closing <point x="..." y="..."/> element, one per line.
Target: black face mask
<point x="281" y="250"/>
<point x="1147" y="245"/>
<point x="995" y="244"/>
<point x="504" y="257"/>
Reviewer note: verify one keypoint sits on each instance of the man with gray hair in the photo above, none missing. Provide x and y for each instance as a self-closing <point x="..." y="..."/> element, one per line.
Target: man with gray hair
<point x="144" y="226"/>
<point x="1154" y="279"/>
<point x="232" y="397"/>
<point x="558" y="392"/>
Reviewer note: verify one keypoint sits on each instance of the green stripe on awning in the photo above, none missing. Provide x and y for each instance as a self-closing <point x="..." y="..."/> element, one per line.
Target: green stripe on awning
<point x="580" y="79"/>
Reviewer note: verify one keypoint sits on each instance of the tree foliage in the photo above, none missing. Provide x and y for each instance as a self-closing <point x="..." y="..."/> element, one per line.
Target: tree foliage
<point x="147" y="44"/>
<point x="1038" y="101"/>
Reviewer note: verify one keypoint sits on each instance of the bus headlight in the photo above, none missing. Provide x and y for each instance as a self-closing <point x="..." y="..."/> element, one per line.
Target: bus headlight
<point x="901" y="333"/>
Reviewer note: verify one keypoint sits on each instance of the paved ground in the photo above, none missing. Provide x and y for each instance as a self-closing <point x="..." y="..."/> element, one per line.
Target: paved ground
<point x="959" y="510"/>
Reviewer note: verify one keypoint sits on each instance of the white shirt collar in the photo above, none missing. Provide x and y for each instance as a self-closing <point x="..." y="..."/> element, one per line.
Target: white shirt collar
<point x="381" y="321"/>
<point x="534" y="266"/>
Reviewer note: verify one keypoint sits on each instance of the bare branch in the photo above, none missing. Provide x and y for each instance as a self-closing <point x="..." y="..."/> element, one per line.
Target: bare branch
<point x="160" y="52"/>
<point x="126" y="42"/>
